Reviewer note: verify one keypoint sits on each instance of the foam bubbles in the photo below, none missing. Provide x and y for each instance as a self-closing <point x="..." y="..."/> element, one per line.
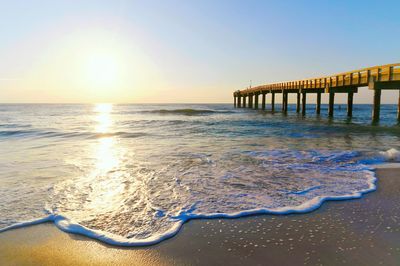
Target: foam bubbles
<point x="391" y="155"/>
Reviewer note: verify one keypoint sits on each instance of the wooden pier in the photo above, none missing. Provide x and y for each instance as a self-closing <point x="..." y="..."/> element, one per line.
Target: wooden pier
<point x="378" y="78"/>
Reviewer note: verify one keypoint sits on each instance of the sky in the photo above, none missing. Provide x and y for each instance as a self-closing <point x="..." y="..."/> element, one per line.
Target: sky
<point x="186" y="51"/>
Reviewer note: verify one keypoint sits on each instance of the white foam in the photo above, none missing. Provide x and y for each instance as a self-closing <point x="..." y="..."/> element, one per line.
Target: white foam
<point x="70" y="226"/>
<point x="391" y="155"/>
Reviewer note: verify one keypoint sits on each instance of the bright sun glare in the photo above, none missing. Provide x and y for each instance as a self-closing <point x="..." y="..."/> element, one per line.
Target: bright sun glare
<point x="102" y="70"/>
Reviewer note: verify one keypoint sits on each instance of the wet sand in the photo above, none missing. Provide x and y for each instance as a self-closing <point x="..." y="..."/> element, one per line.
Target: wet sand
<point x="356" y="232"/>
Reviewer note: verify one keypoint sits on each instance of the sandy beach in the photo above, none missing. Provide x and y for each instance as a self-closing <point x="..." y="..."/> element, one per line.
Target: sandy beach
<point x="356" y="232"/>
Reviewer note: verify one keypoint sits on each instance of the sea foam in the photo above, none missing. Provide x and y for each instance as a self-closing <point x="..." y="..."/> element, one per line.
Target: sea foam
<point x="288" y="196"/>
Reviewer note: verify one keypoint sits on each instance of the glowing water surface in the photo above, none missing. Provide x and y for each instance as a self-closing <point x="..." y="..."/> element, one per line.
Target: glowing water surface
<point x="133" y="174"/>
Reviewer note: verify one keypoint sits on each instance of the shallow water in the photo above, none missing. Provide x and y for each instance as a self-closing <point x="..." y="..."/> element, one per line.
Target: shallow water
<point x="132" y="174"/>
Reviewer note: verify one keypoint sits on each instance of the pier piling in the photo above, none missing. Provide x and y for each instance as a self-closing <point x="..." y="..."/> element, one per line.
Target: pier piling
<point x="256" y="100"/>
<point x="263" y="101"/>
<point x="273" y="101"/>
<point x="251" y="101"/>
<point x="331" y="104"/>
<point x="350" y="104"/>
<point x="303" y="103"/>
<point x="318" y="107"/>
<point x="298" y="102"/>
<point x="377" y="105"/>
<point x="283" y="102"/>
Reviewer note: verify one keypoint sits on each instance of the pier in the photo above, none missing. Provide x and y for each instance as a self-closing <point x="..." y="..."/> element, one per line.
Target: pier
<point x="377" y="78"/>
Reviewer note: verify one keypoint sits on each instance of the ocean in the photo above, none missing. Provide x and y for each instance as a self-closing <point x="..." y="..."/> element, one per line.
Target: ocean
<point x="133" y="174"/>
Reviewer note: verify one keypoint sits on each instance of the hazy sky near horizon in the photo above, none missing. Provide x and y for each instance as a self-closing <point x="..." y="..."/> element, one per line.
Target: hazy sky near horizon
<point x="185" y="51"/>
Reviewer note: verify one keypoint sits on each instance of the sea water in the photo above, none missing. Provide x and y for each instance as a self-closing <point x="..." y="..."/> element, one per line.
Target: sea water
<point x="133" y="174"/>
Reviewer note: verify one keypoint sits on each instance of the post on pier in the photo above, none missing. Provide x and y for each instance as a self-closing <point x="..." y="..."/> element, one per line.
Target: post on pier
<point x="251" y="101"/>
<point x="284" y="101"/>
<point x="350" y="96"/>
<point x="318" y="107"/>
<point x="263" y="100"/>
<point x="256" y="100"/>
<point x="234" y="101"/>
<point x="303" y="103"/>
<point x="377" y="105"/>
<point x="239" y="102"/>
<point x="331" y="103"/>
<point x="244" y="101"/>
<point x="298" y="102"/>
<point x="273" y="101"/>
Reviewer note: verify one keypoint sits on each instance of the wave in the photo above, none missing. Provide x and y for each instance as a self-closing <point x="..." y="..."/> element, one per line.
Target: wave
<point x="187" y="111"/>
<point x="391" y="155"/>
<point x="56" y="134"/>
<point x="69" y="226"/>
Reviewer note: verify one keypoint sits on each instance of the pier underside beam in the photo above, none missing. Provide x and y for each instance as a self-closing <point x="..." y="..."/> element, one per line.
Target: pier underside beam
<point x="384" y="85"/>
<point x="346" y="89"/>
<point x="311" y="90"/>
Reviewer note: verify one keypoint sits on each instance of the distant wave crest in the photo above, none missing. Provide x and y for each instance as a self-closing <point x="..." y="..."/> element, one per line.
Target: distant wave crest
<point x="186" y="111"/>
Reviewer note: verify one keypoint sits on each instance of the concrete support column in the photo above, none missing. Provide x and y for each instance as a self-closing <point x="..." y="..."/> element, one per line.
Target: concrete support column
<point x="377" y="105"/>
<point x="239" y="102"/>
<point x="350" y="104"/>
<point x="298" y="103"/>
<point x="256" y="101"/>
<point x="303" y="103"/>
<point x="331" y="104"/>
<point x="234" y="101"/>
<point x="273" y="102"/>
<point x="318" y="107"/>
<point x="263" y="101"/>
<point x="244" y="101"/>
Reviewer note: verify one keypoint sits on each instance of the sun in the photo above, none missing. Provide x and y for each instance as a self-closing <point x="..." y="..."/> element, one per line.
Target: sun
<point x="102" y="70"/>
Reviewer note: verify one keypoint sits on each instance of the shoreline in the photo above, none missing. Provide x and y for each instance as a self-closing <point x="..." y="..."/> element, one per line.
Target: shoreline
<point x="361" y="231"/>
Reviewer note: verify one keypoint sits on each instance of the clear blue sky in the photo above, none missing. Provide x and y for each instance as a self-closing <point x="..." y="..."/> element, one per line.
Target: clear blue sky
<point x="185" y="51"/>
